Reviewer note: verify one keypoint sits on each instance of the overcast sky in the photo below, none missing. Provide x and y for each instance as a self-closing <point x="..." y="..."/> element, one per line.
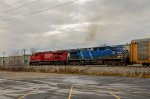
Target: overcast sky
<point x="83" y="23"/>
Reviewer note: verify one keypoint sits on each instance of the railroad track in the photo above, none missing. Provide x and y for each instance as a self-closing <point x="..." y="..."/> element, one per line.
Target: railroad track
<point x="93" y="66"/>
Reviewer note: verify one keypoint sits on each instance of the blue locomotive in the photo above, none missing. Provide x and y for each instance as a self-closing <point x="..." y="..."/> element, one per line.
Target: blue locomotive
<point x="108" y="55"/>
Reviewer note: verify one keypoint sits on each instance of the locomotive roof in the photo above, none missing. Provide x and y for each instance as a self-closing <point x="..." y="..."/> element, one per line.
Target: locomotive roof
<point x="141" y="40"/>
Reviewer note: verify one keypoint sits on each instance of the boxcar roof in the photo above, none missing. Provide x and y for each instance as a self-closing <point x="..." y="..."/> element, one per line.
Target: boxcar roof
<point x="141" y="40"/>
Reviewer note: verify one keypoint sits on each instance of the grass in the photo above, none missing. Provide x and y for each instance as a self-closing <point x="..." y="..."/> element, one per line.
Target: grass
<point x="77" y="70"/>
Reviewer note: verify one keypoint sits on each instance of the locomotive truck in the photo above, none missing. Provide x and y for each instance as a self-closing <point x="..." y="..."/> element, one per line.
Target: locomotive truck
<point x="138" y="52"/>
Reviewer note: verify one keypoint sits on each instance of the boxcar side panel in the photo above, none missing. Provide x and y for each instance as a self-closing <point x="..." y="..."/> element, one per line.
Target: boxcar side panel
<point x="140" y="52"/>
<point x="133" y="53"/>
<point x="149" y="52"/>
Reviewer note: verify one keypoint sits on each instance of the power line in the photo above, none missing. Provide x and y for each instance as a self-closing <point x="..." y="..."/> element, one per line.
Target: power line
<point x="12" y="4"/>
<point x="56" y="6"/>
<point x="63" y="4"/>
<point x="20" y="7"/>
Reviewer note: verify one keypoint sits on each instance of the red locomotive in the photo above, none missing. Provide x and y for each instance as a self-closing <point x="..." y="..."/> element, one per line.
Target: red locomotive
<point x="49" y="58"/>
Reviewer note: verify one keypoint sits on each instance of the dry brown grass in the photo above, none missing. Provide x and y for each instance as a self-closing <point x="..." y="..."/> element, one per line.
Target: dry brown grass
<point x="77" y="70"/>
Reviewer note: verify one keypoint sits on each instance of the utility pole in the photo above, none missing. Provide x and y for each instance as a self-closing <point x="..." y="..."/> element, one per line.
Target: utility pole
<point x="3" y="58"/>
<point x="24" y="53"/>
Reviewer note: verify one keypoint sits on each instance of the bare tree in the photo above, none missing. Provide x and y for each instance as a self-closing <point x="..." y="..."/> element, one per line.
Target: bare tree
<point x="33" y="50"/>
<point x="15" y="59"/>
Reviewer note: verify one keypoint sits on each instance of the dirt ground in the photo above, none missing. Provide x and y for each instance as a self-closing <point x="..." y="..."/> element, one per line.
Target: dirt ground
<point x="26" y="75"/>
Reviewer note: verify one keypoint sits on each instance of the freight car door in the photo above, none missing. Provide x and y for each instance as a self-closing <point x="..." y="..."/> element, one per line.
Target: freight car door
<point x="143" y="51"/>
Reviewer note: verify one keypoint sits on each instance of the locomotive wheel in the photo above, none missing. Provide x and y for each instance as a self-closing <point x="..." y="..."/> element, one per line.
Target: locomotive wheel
<point x="113" y="63"/>
<point x="36" y="64"/>
<point x="78" y="64"/>
<point x="105" y="63"/>
<point x="71" y="64"/>
<point x="58" y="63"/>
<point x="119" y="64"/>
<point x="62" y="63"/>
<point x="54" y="63"/>
<point x="108" y="63"/>
<point x="75" y="63"/>
<point x="145" y="65"/>
<point x="124" y="64"/>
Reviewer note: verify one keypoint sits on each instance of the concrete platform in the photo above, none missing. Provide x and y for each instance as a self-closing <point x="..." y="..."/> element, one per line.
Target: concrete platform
<point x="55" y="86"/>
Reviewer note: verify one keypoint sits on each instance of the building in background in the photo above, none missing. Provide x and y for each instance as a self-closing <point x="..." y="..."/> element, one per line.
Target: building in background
<point x="15" y="60"/>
